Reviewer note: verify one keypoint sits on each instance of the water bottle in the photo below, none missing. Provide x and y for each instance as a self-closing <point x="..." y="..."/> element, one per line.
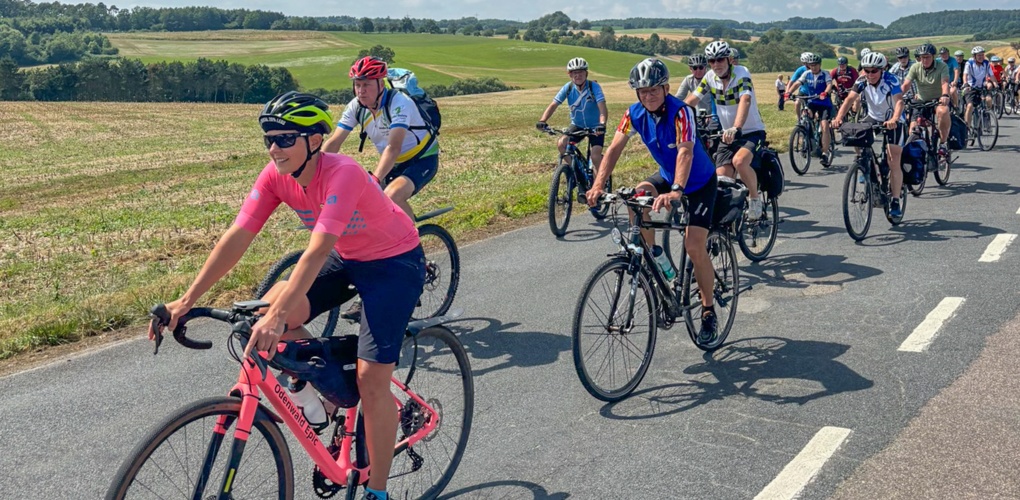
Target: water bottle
<point x="311" y="406"/>
<point x="663" y="262"/>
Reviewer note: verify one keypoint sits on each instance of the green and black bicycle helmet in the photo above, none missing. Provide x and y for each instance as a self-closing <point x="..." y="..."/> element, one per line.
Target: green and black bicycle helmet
<point x="298" y="111"/>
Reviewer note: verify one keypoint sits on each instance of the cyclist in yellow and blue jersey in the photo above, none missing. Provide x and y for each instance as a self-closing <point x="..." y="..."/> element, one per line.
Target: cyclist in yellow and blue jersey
<point x="668" y="129"/>
<point x="818" y="82"/>
<point x="587" y="108"/>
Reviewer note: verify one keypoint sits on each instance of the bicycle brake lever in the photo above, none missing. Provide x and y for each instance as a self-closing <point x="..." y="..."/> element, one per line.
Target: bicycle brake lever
<point x="154" y="326"/>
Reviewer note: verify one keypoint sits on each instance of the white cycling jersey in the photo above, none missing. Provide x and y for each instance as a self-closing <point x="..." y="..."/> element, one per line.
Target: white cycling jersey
<point x="727" y="99"/>
<point x="403" y="113"/>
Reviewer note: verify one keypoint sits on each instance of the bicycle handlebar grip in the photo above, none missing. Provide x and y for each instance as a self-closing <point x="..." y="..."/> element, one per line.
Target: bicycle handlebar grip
<point x="161" y="317"/>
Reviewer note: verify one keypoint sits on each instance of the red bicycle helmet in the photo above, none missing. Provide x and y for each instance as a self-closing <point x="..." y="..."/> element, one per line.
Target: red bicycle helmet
<point x="368" y="68"/>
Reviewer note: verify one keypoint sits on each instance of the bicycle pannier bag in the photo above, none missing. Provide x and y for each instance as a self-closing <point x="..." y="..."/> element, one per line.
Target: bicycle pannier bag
<point x="857" y="134"/>
<point x="957" y="133"/>
<point x="729" y="202"/>
<point x="770" y="173"/>
<point x="912" y="162"/>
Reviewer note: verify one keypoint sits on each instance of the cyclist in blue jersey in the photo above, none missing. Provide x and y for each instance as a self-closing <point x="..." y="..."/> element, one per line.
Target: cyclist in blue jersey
<point x="954" y="68"/>
<point x="804" y="58"/>
<point x="668" y="128"/>
<point x="587" y="108"/>
<point x="818" y="82"/>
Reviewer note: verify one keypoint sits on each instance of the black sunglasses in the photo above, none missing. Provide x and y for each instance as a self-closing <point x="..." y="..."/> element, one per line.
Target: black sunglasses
<point x="696" y="68"/>
<point x="282" y="141"/>
<point x="872" y="71"/>
<point x="713" y="61"/>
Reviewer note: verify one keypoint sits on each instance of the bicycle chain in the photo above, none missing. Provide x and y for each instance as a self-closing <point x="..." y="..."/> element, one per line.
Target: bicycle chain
<point x="323" y="487"/>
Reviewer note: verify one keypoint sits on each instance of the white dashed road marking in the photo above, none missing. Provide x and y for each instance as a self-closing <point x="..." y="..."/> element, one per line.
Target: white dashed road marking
<point x="925" y="333"/>
<point x="805" y="466"/>
<point x="997" y="247"/>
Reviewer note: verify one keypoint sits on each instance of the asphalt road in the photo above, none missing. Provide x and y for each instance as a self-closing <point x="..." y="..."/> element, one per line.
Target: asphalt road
<point x="813" y="354"/>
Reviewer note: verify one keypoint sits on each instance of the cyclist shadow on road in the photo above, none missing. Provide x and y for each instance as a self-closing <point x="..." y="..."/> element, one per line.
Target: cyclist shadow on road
<point x="969" y="187"/>
<point x="506" y="489"/>
<point x="792" y="185"/>
<point x="926" y="230"/>
<point x="793" y="223"/>
<point x="804" y="270"/>
<point x="772" y="369"/>
<point x="490" y="340"/>
<point x="596" y="229"/>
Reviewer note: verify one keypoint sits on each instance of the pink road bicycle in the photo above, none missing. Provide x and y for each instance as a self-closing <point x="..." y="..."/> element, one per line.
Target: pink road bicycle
<point x="184" y="456"/>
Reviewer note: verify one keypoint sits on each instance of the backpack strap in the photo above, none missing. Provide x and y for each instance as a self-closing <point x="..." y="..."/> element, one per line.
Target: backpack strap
<point x="358" y="111"/>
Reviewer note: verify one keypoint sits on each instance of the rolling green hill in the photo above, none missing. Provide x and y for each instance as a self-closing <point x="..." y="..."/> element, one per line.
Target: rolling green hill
<point x="321" y="59"/>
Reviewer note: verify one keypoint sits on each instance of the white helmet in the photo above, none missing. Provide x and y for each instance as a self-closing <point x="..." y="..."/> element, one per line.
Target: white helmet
<point x="865" y="51"/>
<point x="1011" y="60"/>
<point x="874" y="60"/>
<point x="734" y="53"/>
<point x="813" y="59"/>
<point x="804" y="57"/>
<point x="977" y="50"/>
<point x="577" y="63"/>
<point x="717" y="49"/>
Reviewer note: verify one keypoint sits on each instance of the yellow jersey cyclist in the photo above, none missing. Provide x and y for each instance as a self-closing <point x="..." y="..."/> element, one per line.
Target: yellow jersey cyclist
<point x="587" y="108"/>
<point x="351" y="219"/>
<point x="884" y="97"/>
<point x="930" y="79"/>
<point x="408" y="148"/>
<point x="735" y="103"/>
<point x="668" y="129"/>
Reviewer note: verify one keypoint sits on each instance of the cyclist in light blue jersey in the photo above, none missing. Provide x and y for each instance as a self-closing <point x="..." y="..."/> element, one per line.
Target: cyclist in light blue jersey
<point x="818" y="82"/>
<point x="587" y="108"/>
<point x="797" y="74"/>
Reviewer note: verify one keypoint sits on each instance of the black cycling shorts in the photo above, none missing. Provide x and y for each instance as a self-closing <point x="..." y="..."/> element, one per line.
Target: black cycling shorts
<point x="419" y="171"/>
<point x="822" y="111"/>
<point x="389" y="290"/>
<point x="894" y="137"/>
<point x="725" y="152"/>
<point x="700" y="203"/>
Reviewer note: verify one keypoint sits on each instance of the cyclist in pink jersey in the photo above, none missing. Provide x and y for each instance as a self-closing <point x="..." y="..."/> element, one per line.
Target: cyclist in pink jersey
<point x="351" y="218"/>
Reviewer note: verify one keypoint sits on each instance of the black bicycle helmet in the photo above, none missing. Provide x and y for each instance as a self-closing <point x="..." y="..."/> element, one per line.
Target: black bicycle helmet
<point x="926" y="48"/>
<point x="841" y="60"/>
<point x="902" y="52"/>
<point x="650" y="72"/>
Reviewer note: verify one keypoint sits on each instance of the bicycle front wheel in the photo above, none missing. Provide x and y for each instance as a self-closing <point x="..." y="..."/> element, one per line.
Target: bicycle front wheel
<point x="561" y="192"/>
<point x="800" y="150"/>
<point x="943" y="169"/>
<point x="442" y="272"/>
<point x="600" y="212"/>
<point x="989" y="133"/>
<point x="757" y="237"/>
<point x="434" y="365"/>
<point x="857" y="204"/>
<point x="322" y="325"/>
<point x="614" y="330"/>
<point x="184" y="457"/>
<point x="725" y="292"/>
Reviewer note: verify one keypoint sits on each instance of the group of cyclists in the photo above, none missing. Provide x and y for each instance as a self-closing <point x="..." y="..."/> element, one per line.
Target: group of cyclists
<point x="362" y="227"/>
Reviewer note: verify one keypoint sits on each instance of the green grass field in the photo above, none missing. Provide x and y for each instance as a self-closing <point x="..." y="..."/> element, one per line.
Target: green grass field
<point x="321" y="60"/>
<point x="128" y="200"/>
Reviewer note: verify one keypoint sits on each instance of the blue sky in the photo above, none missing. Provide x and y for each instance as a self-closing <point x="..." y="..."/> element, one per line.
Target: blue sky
<point x="879" y="11"/>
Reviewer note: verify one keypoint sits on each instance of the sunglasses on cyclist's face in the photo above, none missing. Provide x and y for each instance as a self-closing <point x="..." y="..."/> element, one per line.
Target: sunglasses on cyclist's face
<point x="282" y="141"/>
<point x="697" y="68"/>
<point x="721" y="59"/>
<point x="872" y="71"/>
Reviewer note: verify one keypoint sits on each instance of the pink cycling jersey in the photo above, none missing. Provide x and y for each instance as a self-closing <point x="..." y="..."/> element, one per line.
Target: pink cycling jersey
<point x="342" y="200"/>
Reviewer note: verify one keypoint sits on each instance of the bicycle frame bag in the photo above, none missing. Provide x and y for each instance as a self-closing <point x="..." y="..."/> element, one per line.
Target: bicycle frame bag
<point x="957" y="134"/>
<point x="330" y="364"/>
<point x="770" y="173"/>
<point x="857" y="134"/>
<point x="912" y="163"/>
<point x="729" y="202"/>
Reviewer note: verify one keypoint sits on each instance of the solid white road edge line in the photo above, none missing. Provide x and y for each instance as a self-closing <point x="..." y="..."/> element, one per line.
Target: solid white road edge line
<point x="925" y="333"/>
<point x="806" y="465"/>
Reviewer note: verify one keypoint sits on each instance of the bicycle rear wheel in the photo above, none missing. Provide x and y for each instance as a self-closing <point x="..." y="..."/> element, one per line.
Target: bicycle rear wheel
<point x="757" y="237"/>
<point x="903" y="208"/>
<point x="435" y="366"/>
<point x="561" y="192"/>
<point x="171" y="462"/>
<point x="857" y="204"/>
<point x="613" y="335"/>
<point x="989" y="133"/>
<point x="442" y="272"/>
<point x="800" y="150"/>
<point x="943" y="169"/>
<point x="322" y="325"/>
<point x="725" y="292"/>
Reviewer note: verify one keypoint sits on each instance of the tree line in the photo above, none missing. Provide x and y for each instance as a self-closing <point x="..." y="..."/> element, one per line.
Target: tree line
<point x="793" y="23"/>
<point x="131" y="80"/>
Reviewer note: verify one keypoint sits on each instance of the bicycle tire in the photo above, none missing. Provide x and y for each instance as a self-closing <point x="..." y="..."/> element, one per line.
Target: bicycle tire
<point x="323" y="325"/>
<point x="943" y="169"/>
<point x="434" y="292"/>
<point x="800" y="148"/>
<point x="590" y="378"/>
<point x="162" y="433"/>
<point x="999" y="104"/>
<point x="852" y="199"/>
<point x="917" y="189"/>
<point x="769" y="222"/>
<point x="602" y="211"/>
<point x="990" y="137"/>
<point x="725" y="291"/>
<point x="423" y="355"/>
<point x="558" y="200"/>
<point x="903" y="208"/>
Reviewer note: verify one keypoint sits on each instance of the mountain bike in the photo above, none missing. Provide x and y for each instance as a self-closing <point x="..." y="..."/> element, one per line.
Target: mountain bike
<point x="984" y="125"/>
<point x="998" y="102"/>
<point x="806" y="139"/>
<point x="756" y="237"/>
<point x="628" y="298"/>
<point x="442" y="276"/>
<point x="867" y="186"/>
<point x="927" y="131"/>
<point x="1011" y="104"/>
<point x="184" y="455"/>
<point x="575" y="172"/>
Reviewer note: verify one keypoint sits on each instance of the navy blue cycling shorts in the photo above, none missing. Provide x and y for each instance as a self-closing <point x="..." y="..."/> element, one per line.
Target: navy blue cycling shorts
<point x="419" y="171"/>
